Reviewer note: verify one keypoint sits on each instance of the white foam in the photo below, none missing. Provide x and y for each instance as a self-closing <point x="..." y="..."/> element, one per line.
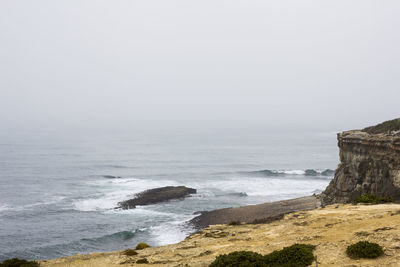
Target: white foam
<point x="258" y="186"/>
<point x="4" y="208"/>
<point x="110" y="192"/>
<point x="51" y="200"/>
<point x="294" y="172"/>
<point x="143" y="211"/>
<point x="47" y="201"/>
<point x="171" y="232"/>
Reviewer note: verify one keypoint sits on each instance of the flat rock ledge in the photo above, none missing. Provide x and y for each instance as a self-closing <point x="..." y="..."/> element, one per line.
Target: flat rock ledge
<point x="157" y="195"/>
<point x="261" y="213"/>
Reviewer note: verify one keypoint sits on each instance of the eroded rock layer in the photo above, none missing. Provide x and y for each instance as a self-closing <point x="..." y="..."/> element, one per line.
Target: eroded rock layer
<point x="369" y="163"/>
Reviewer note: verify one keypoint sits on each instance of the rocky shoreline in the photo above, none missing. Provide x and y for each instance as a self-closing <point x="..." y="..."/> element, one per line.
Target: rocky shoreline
<point x="370" y="163"/>
<point x="330" y="229"/>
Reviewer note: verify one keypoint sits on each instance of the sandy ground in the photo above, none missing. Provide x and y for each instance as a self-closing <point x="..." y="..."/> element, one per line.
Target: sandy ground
<point x="331" y="229"/>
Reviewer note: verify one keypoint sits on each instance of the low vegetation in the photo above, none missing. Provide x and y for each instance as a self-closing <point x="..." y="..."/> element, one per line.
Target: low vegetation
<point x="297" y="255"/>
<point x="234" y="223"/>
<point x="142" y="261"/>
<point x="384" y="127"/>
<point x="142" y="246"/>
<point x="372" y="199"/>
<point x="239" y="258"/>
<point x="364" y="249"/>
<point x="15" y="262"/>
<point x="130" y="252"/>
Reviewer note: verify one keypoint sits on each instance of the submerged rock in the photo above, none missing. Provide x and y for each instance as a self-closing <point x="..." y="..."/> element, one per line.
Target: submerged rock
<point x="157" y="195"/>
<point x="266" y="173"/>
<point x="369" y="164"/>
<point x="310" y="172"/>
<point x="111" y="177"/>
<point x="328" y="172"/>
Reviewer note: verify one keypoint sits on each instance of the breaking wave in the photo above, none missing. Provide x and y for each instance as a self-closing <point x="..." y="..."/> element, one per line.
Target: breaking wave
<point x="272" y="173"/>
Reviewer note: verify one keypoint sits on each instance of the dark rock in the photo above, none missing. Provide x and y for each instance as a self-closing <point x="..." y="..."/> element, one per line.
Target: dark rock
<point x="157" y="195"/>
<point x="267" y="173"/>
<point x="328" y="172"/>
<point x="310" y="172"/>
<point x="266" y="212"/>
<point x="111" y="176"/>
<point x="238" y="194"/>
<point x="369" y="164"/>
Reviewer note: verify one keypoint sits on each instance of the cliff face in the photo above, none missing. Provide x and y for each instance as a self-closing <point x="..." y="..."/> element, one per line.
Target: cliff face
<point x="369" y="163"/>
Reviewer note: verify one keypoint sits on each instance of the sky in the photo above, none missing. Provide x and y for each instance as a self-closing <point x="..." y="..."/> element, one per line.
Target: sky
<point x="198" y="64"/>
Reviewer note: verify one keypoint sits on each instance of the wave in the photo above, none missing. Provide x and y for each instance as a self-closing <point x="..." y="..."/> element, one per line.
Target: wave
<point x="142" y="211"/>
<point x="272" y="173"/>
<point x="114" y="241"/>
<point x="115" y="237"/>
<point x="112" y="191"/>
<point x="4" y="208"/>
<point x="116" y="166"/>
<point x="233" y="194"/>
<point x="46" y="202"/>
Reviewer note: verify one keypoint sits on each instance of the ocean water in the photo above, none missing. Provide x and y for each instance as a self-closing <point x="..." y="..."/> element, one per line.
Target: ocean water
<point x="58" y="191"/>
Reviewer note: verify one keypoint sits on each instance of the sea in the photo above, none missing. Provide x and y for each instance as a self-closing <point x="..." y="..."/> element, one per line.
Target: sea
<point x="59" y="191"/>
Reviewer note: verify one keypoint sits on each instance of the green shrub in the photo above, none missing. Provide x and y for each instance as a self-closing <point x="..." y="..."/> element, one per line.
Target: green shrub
<point x="297" y="255"/>
<point x="374" y="199"/>
<point x="384" y="127"/>
<point x="15" y="262"/>
<point x="130" y="252"/>
<point x="239" y="258"/>
<point x="142" y="261"/>
<point x="234" y="223"/>
<point x="142" y="246"/>
<point x="364" y="249"/>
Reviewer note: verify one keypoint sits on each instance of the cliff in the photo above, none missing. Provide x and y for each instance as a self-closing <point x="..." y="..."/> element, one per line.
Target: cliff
<point x="369" y="163"/>
<point x="331" y="229"/>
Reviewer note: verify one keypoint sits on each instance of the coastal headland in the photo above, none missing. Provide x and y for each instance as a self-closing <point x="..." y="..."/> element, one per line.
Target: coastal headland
<point x="370" y="164"/>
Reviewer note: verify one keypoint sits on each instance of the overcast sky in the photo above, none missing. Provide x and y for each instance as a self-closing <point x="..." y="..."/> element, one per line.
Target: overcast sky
<point x="198" y="63"/>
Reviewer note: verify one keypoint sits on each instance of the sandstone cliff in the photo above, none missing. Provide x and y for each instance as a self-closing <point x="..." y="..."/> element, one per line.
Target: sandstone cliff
<point x="369" y="163"/>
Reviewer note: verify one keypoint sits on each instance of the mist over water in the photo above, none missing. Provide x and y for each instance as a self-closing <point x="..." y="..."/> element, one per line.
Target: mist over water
<point x="58" y="193"/>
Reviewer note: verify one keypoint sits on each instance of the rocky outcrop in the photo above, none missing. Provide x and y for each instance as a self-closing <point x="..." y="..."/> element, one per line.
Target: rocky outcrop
<point x="157" y="195"/>
<point x="369" y="163"/>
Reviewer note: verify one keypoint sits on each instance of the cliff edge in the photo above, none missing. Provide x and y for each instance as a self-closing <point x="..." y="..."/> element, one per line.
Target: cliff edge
<point x="369" y="163"/>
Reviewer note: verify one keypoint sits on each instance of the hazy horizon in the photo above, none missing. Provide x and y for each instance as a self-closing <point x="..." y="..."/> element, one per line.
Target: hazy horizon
<point x="187" y="66"/>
